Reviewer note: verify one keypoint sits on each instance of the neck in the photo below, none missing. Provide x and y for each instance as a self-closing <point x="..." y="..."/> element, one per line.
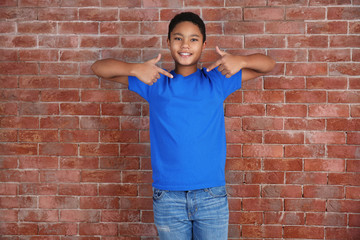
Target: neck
<point x="185" y="70"/>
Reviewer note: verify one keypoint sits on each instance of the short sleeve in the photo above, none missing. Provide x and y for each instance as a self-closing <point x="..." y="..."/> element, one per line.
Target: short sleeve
<point x="139" y="87"/>
<point x="228" y="85"/>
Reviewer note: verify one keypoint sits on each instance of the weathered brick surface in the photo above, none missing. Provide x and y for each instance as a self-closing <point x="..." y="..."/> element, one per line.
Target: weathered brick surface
<point x="75" y="153"/>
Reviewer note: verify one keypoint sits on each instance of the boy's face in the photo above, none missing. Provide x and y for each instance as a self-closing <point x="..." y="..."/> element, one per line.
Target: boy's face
<point x="186" y="44"/>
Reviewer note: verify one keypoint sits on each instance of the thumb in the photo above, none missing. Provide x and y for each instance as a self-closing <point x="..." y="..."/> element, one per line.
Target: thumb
<point x="221" y="53"/>
<point x="156" y="60"/>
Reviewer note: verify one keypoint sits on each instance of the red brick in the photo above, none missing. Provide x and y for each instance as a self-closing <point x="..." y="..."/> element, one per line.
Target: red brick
<point x="59" y="122"/>
<point x="353" y="166"/>
<point x="38" y="136"/>
<point x="60" y="176"/>
<point x="284" y="82"/>
<point x="354" y="220"/>
<point x="355" y="111"/>
<point x="344" y="41"/>
<point x="243" y="164"/>
<point x="311" y="41"/>
<point x="106" y="229"/>
<point x="79" y="56"/>
<point x="287" y="3"/>
<point x="36" y="27"/>
<point x="18" y="202"/>
<point x="133" y="149"/>
<point x="99" y="42"/>
<point x="304" y="151"/>
<point x="261" y="204"/>
<point x="324" y="192"/>
<point x="99" y="123"/>
<point x="8" y="189"/>
<point x="329" y="165"/>
<point x="72" y="189"/>
<point x="139" y="15"/>
<point x="288" y="55"/>
<point x="21" y="41"/>
<point x="263" y="151"/>
<point x="332" y="110"/>
<point x="136" y="229"/>
<point x="261" y="231"/>
<point x="79" y="82"/>
<point x="18" y="149"/>
<point x="343" y="233"/>
<point x="351" y="206"/>
<point x="326" y="83"/>
<point x="325" y="137"/>
<point x="58" y="149"/>
<point x="264" y="14"/>
<point x="58" y="202"/>
<point x="18" y="68"/>
<point x="58" y="41"/>
<point x="327" y="28"/>
<point x="8" y="135"/>
<point x="304" y="232"/>
<point x="9" y="215"/>
<point x="38" y="55"/>
<point x="57" y="14"/>
<point x="281" y="191"/>
<point x="344" y="151"/>
<point x="79" y="136"/>
<point x="121" y="216"/>
<point x="283" y="164"/>
<point x="118" y="190"/>
<point x="264" y="178"/>
<point x="38" y="215"/>
<point x="285" y="28"/>
<point x="98" y="14"/>
<point x="326" y="219"/>
<point x="99" y="203"/>
<point x="58" y="229"/>
<point x="305" y="205"/>
<point x="283" y="138"/>
<point x="55" y="68"/>
<point x="140" y="42"/>
<point x="344" y="179"/>
<point x="119" y="28"/>
<point x="232" y="110"/>
<point x="354" y="27"/>
<point x="79" y="216"/>
<point x="305" y="13"/>
<point x="99" y="149"/>
<point x="121" y="109"/>
<point x="105" y="176"/>
<point x="80" y="108"/>
<point x="242" y="191"/>
<point x="264" y="42"/>
<point x="287" y="110"/>
<point x="284" y="218"/>
<point x="121" y="3"/>
<point x="78" y="27"/>
<point x="343" y="13"/>
<point x="244" y="137"/>
<point x="352" y="69"/>
<point x="38" y="189"/>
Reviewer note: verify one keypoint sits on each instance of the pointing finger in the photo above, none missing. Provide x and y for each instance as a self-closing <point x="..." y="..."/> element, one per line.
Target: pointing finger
<point x="221" y="53"/>
<point x="166" y="73"/>
<point x="214" y="65"/>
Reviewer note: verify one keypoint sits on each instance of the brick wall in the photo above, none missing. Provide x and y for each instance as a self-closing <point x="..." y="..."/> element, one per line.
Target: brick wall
<point x="75" y="156"/>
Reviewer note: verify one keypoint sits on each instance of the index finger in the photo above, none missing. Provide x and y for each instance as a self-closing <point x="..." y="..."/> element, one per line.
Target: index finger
<point x="214" y="65"/>
<point x="166" y="73"/>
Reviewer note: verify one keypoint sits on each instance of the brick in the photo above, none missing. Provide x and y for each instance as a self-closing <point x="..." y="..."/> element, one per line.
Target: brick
<point x="322" y="110"/>
<point x="139" y="15"/>
<point x="38" y="189"/>
<point x="263" y="97"/>
<point x="283" y="138"/>
<point x="8" y="162"/>
<point x="343" y="13"/>
<point x="354" y="27"/>
<point x="23" y="41"/>
<point x="307" y="69"/>
<point x="285" y="28"/>
<point x="351" y="206"/>
<point x="353" y="166"/>
<point x="261" y="231"/>
<point x="38" y="215"/>
<point x="78" y="27"/>
<point x="286" y="110"/>
<point x="354" y="111"/>
<point x="241" y="3"/>
<point x="99" y="42"/>
<point x="287" y="3"/>
<point x="100" y="96"/>
<point x="8" y="136"/>
<point x="100" y="176"/>
<point x="326" y="83"/>
<point x="8" y="189"/>
<point x="18" y="149"/>
<point x="137" y="229"/>
<point x="311" y="151"/>
<point x="162" y="4"/>
<point x="264" y="178"/>
<point x="120" y="109"/>
<point x="78" y="82"/>
<point x="100" y="123"/>
<point x="38" y="82"/>
<point x="244" y="137"/>
<point x="284" y="83"/>
<point x="306" y="97"/>
<point x="60" y="41"/>
<point x="305" y="13"/>
<point x="60" y="176"/>
<point x="283" y="164"/>
<point x="18" y="68"/>
<point x="133" y="149"/>
<point x="354" y="220"/>
<point x="79" y="136"/>
<point x="343" y="151"/>
<point x="121" y="216"/>
<point x="57" y="14"/>
<point x="262" y="204"/>
<point x="288" y="55"/>
<point x="264" y="42"/>
<point x="58" y="149"/>
<point x="263" y="151"/>
<point x="281" y="191"/>
<point x="327" y="28"/>
<point x="36" y="27"/>
<point x="284" y="218"/>
<point x="58" y="229"/>
<point x="79" y="56"/>
<point x="140" y="42"/>
<point x="325" y="137"/>
<point x="38" y="55"/>
<point x="38" y="136"/>
<point x="311" y="41"/>
<point x="99" y="149"/>
<point x="20" y="14"/>
<point x="9" y="215"/>
<point x="119" y="28"/>
<point x="262" y="124"/>
<point x="342" y="233"/>
<point x="59" y="122"/>
<point x="107" y="229"/>
<point x="324" y="192"/>
<point x="352" y="69"/>
<point x="244" y="164"/>
<point x="329" y="165"/>
<point x="305" y="205"/>
<point x="58" y="202"/>
<point x="329" y="55"/>
<point x="18" y="202"/>
<point x="326" y="219"/>
<point x="343" y="179"/>
<point x="72" y="189"/>
<point x="232" y="110"/>
<point x="56" y="68"/>
<point x="118" y="190"/>
<point x="245" y="217"/>
<point x="251" y="14"/>
<point x="98" y="14"/>
<point x="99" y="203"/>
<point x="79" y="216"/>
<point x="344" y="41"/>
<point x="80" y="108"/>
<point x="343" y="124"/>
<point x="304" y="232"/>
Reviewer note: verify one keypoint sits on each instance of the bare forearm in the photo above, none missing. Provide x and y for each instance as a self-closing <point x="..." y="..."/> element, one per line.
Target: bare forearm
<point x="110" y="68"/>
<point x="258" y="62"/>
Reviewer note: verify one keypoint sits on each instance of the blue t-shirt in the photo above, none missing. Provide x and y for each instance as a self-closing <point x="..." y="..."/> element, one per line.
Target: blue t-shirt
<point x="187" y="128"/>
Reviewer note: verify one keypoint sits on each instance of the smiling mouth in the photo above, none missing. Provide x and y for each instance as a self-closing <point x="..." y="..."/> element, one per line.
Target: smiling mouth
<point x="185" y="54"/>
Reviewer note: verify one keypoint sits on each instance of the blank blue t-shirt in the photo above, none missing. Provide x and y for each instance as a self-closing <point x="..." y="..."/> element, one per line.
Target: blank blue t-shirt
<point x="187" y="128"/>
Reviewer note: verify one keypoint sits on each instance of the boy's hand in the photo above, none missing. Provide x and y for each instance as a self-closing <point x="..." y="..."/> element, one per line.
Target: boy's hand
<point x="228" y="64"/>
<point x="149" y="73"/>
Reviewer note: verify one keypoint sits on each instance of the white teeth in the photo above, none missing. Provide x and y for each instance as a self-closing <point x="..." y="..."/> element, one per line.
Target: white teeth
<point x="185" y="54"/>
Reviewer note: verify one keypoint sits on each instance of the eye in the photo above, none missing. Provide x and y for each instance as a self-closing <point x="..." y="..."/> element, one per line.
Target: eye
<point x="177" y="38"/>
<point x="194" y="40"/>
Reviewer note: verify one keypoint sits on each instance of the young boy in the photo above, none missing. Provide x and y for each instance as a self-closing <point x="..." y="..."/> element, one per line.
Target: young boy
<point x="187" y="129"/>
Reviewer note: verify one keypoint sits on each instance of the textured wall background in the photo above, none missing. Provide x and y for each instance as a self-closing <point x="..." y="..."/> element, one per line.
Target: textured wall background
<point x="75" y="155"/>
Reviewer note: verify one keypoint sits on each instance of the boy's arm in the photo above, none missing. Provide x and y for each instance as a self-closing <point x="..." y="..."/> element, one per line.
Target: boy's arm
<point x="252" y="66"/>
<point x="116" y="70"/>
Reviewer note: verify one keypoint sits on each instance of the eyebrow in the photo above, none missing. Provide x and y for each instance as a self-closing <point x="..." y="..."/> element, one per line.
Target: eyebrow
<point x="192" y="35"/>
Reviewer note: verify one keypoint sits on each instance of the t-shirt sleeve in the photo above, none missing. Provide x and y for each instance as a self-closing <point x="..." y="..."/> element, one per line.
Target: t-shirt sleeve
<point x="229" y="85"/>
<point x="139" y="87"/>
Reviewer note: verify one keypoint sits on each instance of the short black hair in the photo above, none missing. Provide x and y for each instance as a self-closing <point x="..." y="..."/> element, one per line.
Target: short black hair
<point x="188" y="17"/>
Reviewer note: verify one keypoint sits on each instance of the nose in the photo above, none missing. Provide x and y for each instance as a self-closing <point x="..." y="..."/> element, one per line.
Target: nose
<point x="185" y="44"/>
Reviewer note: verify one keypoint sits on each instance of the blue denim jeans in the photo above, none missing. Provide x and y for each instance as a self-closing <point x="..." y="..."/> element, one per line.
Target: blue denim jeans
<point x="185" y="215"/>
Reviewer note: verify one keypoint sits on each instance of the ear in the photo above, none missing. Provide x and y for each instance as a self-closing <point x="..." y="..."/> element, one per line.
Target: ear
<point x="204" y="45"/>
<point x="168" y="42"/>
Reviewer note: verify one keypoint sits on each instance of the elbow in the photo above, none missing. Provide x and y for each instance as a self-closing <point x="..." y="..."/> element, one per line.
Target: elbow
<point x="95" y="68"/>
<point x="272" y="64"/>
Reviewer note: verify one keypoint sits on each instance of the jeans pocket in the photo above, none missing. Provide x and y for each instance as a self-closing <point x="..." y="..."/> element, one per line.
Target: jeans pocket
<point x="158" y="194"/>
<point x="217" y="192"/>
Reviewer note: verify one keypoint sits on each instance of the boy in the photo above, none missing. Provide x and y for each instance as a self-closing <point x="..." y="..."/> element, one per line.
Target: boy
<point x="187" y="129"/>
